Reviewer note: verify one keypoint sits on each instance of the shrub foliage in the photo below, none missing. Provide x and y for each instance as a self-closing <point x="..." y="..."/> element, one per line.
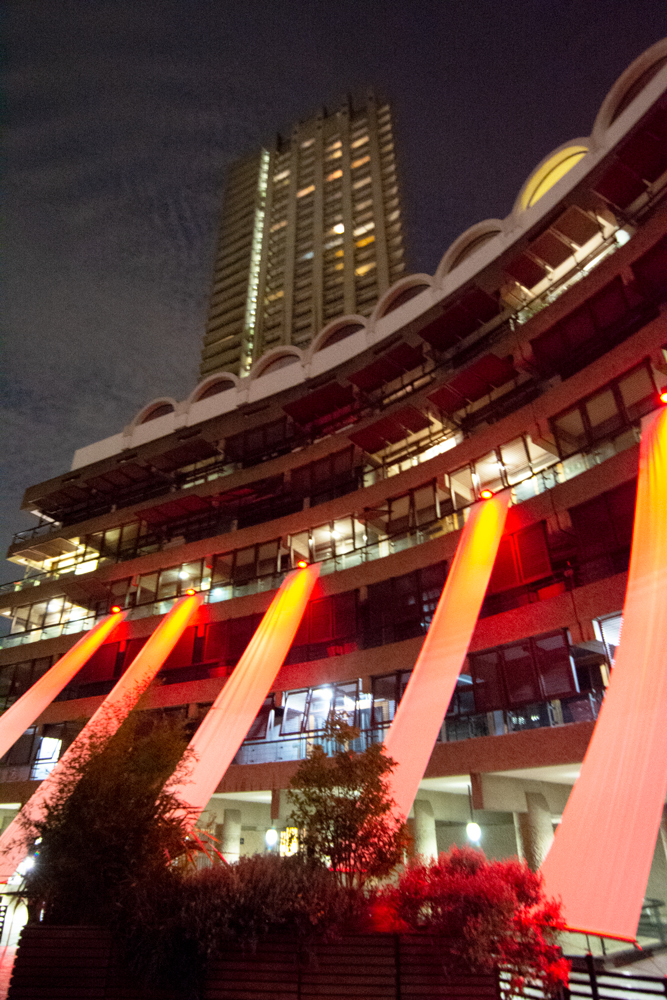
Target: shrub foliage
<point x="343" y="810"/>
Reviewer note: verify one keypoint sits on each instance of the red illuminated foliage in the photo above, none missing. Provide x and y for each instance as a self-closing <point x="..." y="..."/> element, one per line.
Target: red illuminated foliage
<point x="487" y="913"/>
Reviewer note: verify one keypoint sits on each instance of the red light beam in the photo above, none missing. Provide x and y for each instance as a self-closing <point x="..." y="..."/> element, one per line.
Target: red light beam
<point x="226" y="725"/>
<point x="105" y="721"/>
<point x="601" y="855"/>
<point x="22" y="714"/>
<point x="419" y="716"/>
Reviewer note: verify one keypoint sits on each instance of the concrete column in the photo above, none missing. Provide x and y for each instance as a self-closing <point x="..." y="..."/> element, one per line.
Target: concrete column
<point x="536" y="830"/>
<point x="426" y="843"/>
<point x="230" y="840"/>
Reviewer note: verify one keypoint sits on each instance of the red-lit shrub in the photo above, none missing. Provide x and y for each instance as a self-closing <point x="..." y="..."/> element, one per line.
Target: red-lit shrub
<point x="487" y="914"/>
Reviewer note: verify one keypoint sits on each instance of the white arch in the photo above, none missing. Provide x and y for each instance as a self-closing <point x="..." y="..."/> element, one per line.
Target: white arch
<point x="266" y="360"/>
<point x="403" y="284"/>
<point x="473" y="237"/>
<point x="320" y="341"/>
<point x="145" y="411"/>
<point x="628" y="78"/>
<point x="210" y="380"/>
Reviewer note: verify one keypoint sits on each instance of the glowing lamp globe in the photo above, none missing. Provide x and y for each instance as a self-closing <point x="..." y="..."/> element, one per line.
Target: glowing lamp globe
<point x="486" y="494"/>
<point x="115" y="609"/>
<point x="191" y="592"/>
<point x="302" y="564"/>
<point x="271" y="837"/>
<point x="474" y="832"/>
<point x="663" y="397"/>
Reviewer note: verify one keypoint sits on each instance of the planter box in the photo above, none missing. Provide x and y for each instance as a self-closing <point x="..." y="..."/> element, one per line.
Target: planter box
<point x="79" y="963"/>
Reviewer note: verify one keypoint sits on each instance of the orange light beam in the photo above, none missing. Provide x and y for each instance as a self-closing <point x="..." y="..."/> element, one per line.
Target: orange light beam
<point x="419" y="716"/>
<point x="22" y="714"/>
<point x="105" y="721"/>
<point x="227" y="722"/>
<point x="601" y="855"/>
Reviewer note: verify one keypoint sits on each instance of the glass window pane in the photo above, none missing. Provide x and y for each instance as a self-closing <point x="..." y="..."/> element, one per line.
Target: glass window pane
<point x="295" y="704"/>
<point x="399" y="514"/>
<point x="168" y="583"/>
<point x="570" y="432"/>
<point x="48" y="614"/>
<point x="322" y="543"/>
<point x="638" y="393"/>
<point x="258" y="729"/>
<point x="244" y="565"/>
<point x="557" y="676"/>
<point x="267" y="558"/>
<point x="485" y="670"/>
<point x="462" y="490"/>
<point x="319" y="707"/>
<point x="343" y="535"/>
<point x="110" y="543"/>
<point x="520" y="676"/>
<point x="147" y="590"/>
<point x="488" y="472"/>
<point x="345" y="702"/>
<point x="222" y="569"/>
<point x="425" y="507"/>
<point x="603" y="414"/>
<point x="190" y="575"/>
<point x="515" y="460"/>
<point x="300" y="547"/>
<point x="384" y="698"/>
<point x="539" y="457"/>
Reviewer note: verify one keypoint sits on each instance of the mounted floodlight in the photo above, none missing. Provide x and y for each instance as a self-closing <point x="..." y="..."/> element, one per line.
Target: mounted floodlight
<point x="486" y="494"/>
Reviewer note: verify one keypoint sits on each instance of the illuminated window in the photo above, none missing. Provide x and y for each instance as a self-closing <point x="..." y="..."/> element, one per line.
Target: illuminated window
<point x="278" y="225"/>
<point x="289" y="842"/>
<point x="304" y="191"/>
<point x="334" y="156"/>
<point x="281" y="176"/>
<point x="365" y="241"/>
<point x="360" y="162"/>
<point x="359" y="142"/>
<point x="334" y="176"/>
<point x="274" y="296"/>
<point x="307" y="143"/>
<point x="360" y="230"/>
<point x="365" y="268"/>
<point x="334" y="145"/>
<point x="361" y="183"/>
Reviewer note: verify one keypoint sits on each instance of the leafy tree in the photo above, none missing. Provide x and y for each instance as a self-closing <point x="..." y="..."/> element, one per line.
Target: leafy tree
<point x="486" y="913"/>
<point x="112" y="823"/>
<point x="343" y="811"/>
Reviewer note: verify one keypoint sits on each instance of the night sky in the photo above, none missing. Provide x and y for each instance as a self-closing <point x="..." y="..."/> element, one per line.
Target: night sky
<point x="123" y="115"/>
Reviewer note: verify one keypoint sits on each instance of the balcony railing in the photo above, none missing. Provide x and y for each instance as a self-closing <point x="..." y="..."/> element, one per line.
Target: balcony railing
<point x="560" y="471"/>
<point x="544" y="714"/>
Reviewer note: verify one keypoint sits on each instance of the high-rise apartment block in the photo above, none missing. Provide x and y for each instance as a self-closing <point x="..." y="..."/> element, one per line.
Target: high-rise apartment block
<point x="311" y="230"/>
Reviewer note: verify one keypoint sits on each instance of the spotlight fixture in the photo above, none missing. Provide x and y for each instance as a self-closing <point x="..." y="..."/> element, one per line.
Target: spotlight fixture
<point x="301" y="564"/>
<point x="191" y="591"/>
<point x="486" y="494"/>
<point x="663" y="396"/>
<point x="115" y="609"/>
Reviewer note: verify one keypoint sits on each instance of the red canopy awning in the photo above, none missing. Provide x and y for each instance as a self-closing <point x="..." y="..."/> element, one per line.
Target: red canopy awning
<point x="390" y="365"/>
<point x="487" y="373"/>
<point x="328" y="399"/>
<point x="471" y="311"/>
<point x="390" y="430"/>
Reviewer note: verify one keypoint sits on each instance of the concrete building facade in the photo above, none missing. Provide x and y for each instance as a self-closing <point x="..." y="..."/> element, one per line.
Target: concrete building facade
<point x="310" y="230"/>
<point x="525" y="363"/>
